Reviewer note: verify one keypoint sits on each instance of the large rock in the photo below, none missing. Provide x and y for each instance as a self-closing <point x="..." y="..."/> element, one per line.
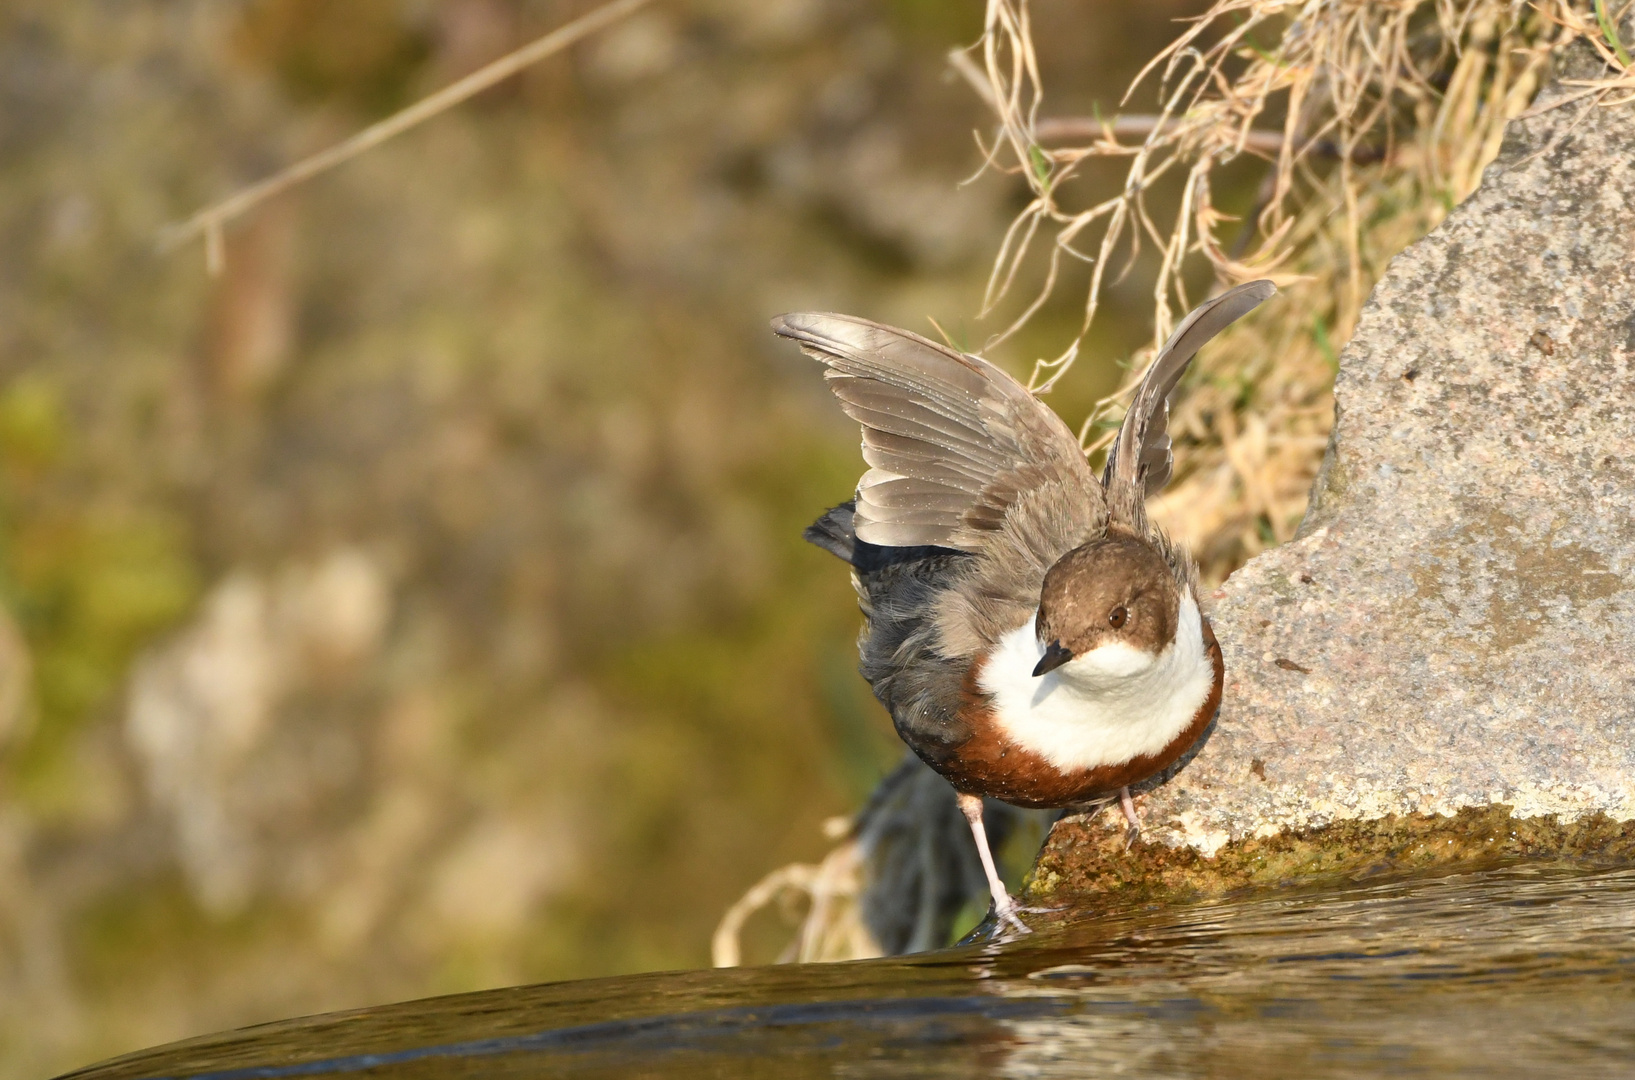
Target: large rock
<point x="1454" y="627"/>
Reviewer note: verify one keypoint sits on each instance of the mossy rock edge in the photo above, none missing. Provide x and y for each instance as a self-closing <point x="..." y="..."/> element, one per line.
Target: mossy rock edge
<point x="1084" y="859"/>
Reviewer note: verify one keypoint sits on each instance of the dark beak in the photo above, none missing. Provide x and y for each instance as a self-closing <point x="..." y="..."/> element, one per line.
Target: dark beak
<point x="1055" y="656"/>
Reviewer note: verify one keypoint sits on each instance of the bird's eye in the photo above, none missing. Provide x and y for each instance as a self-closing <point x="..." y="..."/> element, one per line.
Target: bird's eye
<point x="1118" y="617"/>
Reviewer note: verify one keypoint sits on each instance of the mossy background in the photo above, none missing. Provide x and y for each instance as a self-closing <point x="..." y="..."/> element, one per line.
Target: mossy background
<point x="420" y="606"/>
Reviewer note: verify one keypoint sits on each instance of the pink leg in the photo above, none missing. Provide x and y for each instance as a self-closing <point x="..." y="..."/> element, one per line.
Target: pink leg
<point x="1004" y="905"/>
<point x="1128" y="805"/>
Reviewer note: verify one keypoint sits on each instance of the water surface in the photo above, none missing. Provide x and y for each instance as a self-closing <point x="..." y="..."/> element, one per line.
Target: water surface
<point x="1510" y="972"/>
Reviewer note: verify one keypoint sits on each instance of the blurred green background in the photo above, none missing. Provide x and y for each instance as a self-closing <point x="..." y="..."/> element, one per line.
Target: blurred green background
<point x="420" y="605"/>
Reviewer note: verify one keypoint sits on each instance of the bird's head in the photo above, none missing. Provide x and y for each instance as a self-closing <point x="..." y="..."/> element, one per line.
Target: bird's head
<point x="1107" y="610"/>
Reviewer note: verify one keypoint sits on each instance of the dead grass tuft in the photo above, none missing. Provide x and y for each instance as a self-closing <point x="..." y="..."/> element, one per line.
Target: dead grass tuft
<point x="1375" y="118"/>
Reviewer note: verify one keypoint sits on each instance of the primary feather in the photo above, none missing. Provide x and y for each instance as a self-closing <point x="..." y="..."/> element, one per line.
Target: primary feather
<point x="1140" y="459"/>
<point x="952" y="442"/>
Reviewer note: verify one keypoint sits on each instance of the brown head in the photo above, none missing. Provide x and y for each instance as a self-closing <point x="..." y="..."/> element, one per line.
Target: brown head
<point x="1115" y="590"/>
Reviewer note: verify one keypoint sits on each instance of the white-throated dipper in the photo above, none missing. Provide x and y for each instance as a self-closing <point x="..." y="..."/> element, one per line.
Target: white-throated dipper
<point x="1035" y="638"/>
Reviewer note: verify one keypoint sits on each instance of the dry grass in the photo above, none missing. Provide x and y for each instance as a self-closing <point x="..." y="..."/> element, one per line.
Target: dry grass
<point x="1375" y="118"/>
<point x="821" y="900"/>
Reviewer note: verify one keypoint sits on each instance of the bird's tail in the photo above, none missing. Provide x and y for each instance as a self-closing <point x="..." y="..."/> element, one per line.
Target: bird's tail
<point x="833" y="532"/>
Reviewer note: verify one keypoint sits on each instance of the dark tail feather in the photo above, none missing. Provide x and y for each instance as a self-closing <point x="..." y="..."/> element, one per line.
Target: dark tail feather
<point x="833" y="532"/>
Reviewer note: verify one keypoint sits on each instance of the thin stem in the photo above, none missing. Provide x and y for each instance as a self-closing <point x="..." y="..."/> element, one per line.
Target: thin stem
<point x="209" y="221"/>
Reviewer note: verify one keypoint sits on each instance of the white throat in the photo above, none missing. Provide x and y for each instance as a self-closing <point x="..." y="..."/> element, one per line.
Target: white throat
<point x="1112" y="704"/>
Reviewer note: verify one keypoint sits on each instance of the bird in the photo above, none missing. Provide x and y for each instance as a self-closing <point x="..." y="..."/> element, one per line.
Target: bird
<point x="1034" y="636"/>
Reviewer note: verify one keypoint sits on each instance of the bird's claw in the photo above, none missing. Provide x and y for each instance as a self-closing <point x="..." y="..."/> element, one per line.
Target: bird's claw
<point x="1008" y="916"/>
<point x="1004" y="923"/>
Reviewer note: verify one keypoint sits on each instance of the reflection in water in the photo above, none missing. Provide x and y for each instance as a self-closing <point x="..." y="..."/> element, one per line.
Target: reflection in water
<point x="1508" y="972"/>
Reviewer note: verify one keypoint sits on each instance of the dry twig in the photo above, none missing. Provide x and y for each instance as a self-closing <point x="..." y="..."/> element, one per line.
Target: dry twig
<point x="209" y="221"/>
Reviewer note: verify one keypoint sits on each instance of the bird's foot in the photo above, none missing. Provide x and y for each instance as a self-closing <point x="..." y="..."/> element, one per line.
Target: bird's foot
<point x="1009" y="916"/>
<point x="1004" y="924"/>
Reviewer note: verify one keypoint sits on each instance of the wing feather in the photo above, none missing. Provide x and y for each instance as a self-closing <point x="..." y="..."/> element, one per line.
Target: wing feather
<point x="936" y="472"/>
<point x="1140" y="459"/>
<point x="951" y="440"/>
<point x="911" y="494"/>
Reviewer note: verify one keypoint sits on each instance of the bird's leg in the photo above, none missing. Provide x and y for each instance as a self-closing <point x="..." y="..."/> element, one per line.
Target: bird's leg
<point x="1004" y="905"/>
<point x="1128" y="806"/>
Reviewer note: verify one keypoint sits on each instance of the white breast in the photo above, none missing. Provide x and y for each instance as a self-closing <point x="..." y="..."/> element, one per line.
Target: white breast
<point x="1105" y="707"/>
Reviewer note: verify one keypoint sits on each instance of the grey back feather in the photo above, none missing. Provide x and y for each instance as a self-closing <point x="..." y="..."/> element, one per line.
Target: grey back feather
<point x="952" y="441"/>
<point x="1140" y="460"/>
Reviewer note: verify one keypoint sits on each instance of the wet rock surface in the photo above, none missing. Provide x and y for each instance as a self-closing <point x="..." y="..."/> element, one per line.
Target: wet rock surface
<point x="1453" y="627"/>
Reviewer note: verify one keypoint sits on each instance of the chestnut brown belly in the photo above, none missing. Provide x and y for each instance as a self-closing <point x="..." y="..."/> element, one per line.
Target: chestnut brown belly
<point x="989" y="763"/>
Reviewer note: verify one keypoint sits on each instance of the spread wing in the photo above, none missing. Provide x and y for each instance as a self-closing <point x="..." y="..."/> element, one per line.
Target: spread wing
<point x="1141" y="457"/>
<point x="952" y="442"/>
